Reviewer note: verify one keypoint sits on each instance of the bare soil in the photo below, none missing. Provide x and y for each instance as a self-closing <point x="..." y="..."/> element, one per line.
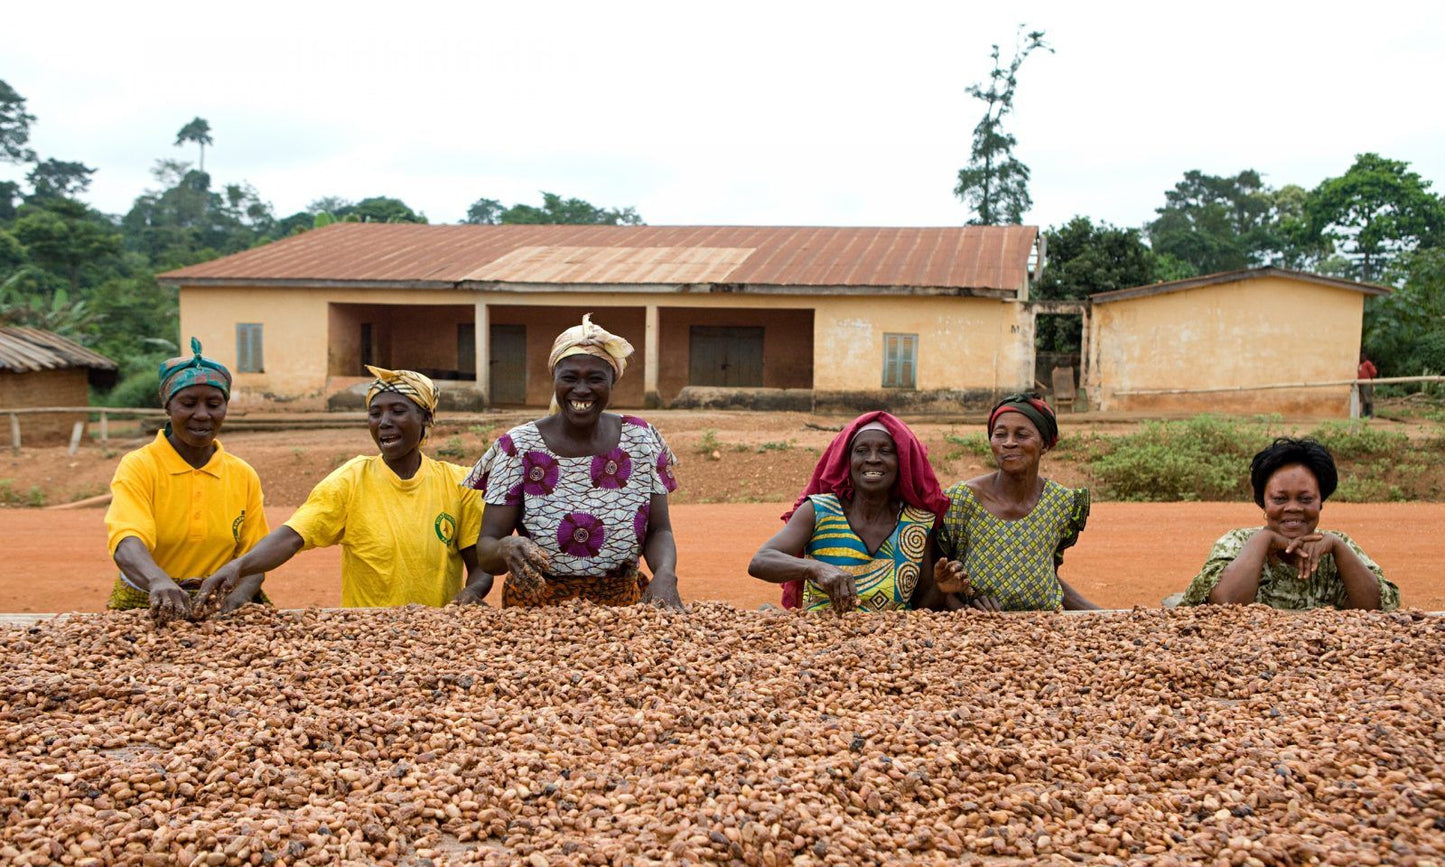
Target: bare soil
<point x="1131" y="554"/>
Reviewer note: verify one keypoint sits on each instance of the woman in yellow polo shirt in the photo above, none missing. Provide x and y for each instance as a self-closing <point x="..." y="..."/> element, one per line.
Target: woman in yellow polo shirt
<point x="405" y="525"/>
<point x="183" y="506"/>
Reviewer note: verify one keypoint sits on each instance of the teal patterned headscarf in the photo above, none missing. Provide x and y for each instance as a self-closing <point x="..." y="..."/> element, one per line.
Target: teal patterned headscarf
<point x="184" y="371"/>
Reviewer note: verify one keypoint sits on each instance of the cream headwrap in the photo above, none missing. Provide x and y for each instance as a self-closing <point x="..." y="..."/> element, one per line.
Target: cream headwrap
<point x="590" y="339"/>
<point x="407" y="383"/>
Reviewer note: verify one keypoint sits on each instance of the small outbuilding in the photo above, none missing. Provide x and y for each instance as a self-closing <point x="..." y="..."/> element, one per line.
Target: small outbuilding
<point x="1260" y="340"/>
<point x="42" y="369"/>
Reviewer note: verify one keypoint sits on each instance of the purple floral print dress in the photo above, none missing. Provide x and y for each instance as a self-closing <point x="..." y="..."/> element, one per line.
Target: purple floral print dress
<point x="588" y="514"/>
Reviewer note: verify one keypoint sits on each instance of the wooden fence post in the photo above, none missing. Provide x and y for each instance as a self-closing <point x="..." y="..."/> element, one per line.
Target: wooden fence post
<point x="75" y="433"/>
<point x="15" y="433"/>
<point x="104" y="429"/>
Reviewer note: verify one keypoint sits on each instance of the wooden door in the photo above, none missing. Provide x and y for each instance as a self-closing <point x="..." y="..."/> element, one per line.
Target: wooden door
<point x="726" y="356"/>
<point x="508" y="364"/>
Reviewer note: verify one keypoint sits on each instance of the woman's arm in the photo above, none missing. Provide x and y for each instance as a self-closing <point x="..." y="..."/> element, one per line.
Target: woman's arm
<point x="781" y="560"/>
<point x="1073" y="599"/>
<point x="1362" y="586"/>
<point x="280" y="545"/>
<point x="1239" y="582"/>
<point x="499" y="551"/>
<point x="661" y="553"/>
<point x="168" y="600"/>
<point x="479" y="580"/>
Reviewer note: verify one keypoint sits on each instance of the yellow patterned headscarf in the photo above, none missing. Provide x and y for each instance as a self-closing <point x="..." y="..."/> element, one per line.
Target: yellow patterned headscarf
<point x="407" y="383"/>
<point x="591" y="339"/>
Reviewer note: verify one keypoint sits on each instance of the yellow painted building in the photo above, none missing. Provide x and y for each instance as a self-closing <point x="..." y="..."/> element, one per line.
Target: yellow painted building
<point x="1239" y="342"/>
<point x="770" y="317"/>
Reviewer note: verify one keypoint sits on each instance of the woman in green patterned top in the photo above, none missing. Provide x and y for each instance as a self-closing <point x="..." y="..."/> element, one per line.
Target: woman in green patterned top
<point x="1289" y="562"/>
<point x="1009" y="528"/>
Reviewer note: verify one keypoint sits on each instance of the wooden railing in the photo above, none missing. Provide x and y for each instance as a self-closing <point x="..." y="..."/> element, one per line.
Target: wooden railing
<point x="103" y="411"/>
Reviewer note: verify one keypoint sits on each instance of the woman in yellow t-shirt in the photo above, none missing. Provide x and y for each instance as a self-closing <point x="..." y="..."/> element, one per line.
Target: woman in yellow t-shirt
<point x="182" y="506"/>
<point x="405" y="525"/>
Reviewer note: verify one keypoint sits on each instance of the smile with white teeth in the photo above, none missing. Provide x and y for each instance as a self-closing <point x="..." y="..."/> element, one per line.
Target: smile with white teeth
<point x="580" y="405"/>
<point x="389" y="439"/>
<point x="872" y="474"/>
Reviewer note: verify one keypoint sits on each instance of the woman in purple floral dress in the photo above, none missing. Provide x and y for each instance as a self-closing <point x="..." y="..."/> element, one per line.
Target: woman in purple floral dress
<point x="583" y="490"/>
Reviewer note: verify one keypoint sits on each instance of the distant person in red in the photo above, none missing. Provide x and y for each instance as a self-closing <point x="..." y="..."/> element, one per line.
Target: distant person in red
<point x="1367" y="392"/>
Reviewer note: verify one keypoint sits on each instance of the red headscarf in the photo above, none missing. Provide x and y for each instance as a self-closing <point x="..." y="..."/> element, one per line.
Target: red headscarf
<point x="917" y="485"/>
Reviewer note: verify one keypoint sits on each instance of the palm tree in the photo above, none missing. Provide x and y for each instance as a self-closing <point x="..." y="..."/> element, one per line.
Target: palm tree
<point x="199" y="132"/>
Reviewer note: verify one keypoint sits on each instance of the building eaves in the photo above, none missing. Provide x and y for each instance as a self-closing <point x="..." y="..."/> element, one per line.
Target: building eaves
<point x="1236" y="277"/>
<point x="27" y="350"/>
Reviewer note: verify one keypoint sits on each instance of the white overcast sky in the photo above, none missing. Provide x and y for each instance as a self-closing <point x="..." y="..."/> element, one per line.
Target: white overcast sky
<point x="767" y="113"/>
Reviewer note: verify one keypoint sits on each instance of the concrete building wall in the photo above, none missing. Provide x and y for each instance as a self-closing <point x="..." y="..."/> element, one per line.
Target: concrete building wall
<point x="1270" y="330"/>
<point x="67" y="387"/>
<point x="981" y="346"/>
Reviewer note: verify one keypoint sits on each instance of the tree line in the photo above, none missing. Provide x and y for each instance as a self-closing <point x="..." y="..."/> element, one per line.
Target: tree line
<point x="67" y="267"/>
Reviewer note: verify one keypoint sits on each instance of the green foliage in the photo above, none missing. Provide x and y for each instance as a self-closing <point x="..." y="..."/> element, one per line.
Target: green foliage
<point x="774" y="446"/>
<point x="709" y="442"/>
<point x="382" y="209"/>
<point x="555" y="210"/>
<point x="138" y="389"/>
<point x="14" y="127"/>
<point x="1373" y="212"/>
<point x="198" y="131"/>
<point x="1215" y="223"/>
<point x="1355" y="440"/>
<point x="59" y="179"/>
<point x="970" y="444"/>
<point x="1084" y="258"/>
<point x="453" y="448"/>
<point x="1405" y="331"/>
<point x="1203" y="458"/>
<point x="995" y="184"/>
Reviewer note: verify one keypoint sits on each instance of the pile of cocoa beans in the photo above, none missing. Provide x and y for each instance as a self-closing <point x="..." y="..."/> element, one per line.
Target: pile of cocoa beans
<point x="588" y="735"/>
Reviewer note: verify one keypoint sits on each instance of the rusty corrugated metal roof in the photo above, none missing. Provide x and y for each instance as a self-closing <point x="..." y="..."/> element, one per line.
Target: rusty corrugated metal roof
<point x="1236" y="277"/>
<point x="958" y="257"/>
<point x="30" y="349"/>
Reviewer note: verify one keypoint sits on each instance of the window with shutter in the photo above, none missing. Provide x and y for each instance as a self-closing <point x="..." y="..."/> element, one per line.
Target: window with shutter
<point x="249" y="358"/>
<point x="900" y="360"/>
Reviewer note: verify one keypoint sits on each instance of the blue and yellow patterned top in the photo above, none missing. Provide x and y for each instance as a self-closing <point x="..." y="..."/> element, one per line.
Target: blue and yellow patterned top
<point x="886" y="578"/>
<point x="1016" y="562"/>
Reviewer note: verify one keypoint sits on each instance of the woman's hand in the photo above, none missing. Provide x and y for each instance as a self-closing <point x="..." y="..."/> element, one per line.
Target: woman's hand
<point x="838" y="585"/>
<point x="950" y="576"/>
<point x="662" y="591"/>
<point x="218" y="587"/>
<point x="1308" y="551"/>
<point x="472" y="594"/>
<point x="168" y="601"/>
<point x="526" y="561"/>
<point x="984" y="603"/>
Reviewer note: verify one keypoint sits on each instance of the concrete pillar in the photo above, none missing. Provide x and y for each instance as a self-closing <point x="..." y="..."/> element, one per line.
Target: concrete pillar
<point x="484" y="354"/>
<point x="652" y="359"/>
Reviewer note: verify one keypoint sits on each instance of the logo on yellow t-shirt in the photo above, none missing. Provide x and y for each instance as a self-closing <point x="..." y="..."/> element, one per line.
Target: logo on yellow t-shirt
<point x="236" y="525"/>
<point x="446" y="527"/>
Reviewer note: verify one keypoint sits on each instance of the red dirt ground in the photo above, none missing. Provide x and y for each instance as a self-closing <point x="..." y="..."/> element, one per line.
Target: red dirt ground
<point x="1131" y="553"/>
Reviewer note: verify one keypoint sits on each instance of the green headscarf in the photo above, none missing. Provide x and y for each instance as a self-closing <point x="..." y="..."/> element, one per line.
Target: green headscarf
<point x="184" y="371"/>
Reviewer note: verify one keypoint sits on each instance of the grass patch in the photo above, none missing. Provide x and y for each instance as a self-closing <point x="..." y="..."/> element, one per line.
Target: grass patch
<point x="1204" y="458"/>
<point x="1349" y="440"/>
<point x="775" y="446"/>
<point x="709" y="442"/>
<point x="453" y="448"/>
<point x="967" y="445"/>
<point x="34" y="498"/>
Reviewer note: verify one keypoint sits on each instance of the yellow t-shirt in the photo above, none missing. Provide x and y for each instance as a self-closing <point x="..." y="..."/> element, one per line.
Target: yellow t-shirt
<point x="193" y="521"/>
<point x="401" y="539"/>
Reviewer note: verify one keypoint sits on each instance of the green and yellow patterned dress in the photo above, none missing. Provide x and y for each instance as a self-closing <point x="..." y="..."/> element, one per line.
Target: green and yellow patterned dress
<point x="886" y="578"/>
<point x="1016" y="562"/>
<point x="1279" y="582"/>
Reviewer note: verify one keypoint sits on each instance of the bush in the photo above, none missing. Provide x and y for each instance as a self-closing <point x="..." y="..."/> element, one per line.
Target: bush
<point x="1204" y="458"/>
<point x="1347" y="440"/>
<point x="141" y="389"/>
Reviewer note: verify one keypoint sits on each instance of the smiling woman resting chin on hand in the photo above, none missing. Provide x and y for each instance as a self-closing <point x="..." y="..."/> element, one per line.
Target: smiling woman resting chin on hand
<point x="1289" y="562"/>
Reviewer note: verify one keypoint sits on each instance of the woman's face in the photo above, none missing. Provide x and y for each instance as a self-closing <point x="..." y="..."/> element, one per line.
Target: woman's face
<point x="1292" y="501"/>
<point x="196" y="413"/>
<point x="1016" y="442"/>
<point x="873" y="462"/>
<point x="583" y="385"/>
<point x="397" y="425"/>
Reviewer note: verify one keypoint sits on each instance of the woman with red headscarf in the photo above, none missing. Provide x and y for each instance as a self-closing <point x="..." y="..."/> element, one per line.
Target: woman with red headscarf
<point x="861" y="537"/>
<point x="1009" y="528"/>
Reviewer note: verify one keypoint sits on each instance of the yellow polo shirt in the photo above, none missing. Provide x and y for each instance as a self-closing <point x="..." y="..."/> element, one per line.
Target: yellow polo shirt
<point x="193" y="521"/>
<point x="401" y="539"/>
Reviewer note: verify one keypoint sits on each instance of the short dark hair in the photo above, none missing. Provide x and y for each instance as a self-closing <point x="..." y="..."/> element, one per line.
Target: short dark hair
<point x="1288" y="452"/>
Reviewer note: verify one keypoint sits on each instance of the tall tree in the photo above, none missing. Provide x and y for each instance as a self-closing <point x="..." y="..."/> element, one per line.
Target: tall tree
<point x="1084" y="258"/>
<point x="54" y="178"/>
<point x="1375" y="211"/>
<point x="14" y="127"/>
<point x="1216" y="222"/>
<point x="382" y="209"/>
<point x="484" y="212"/>
<point x="995" y="184"/>
<point x="198" y="131"/>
